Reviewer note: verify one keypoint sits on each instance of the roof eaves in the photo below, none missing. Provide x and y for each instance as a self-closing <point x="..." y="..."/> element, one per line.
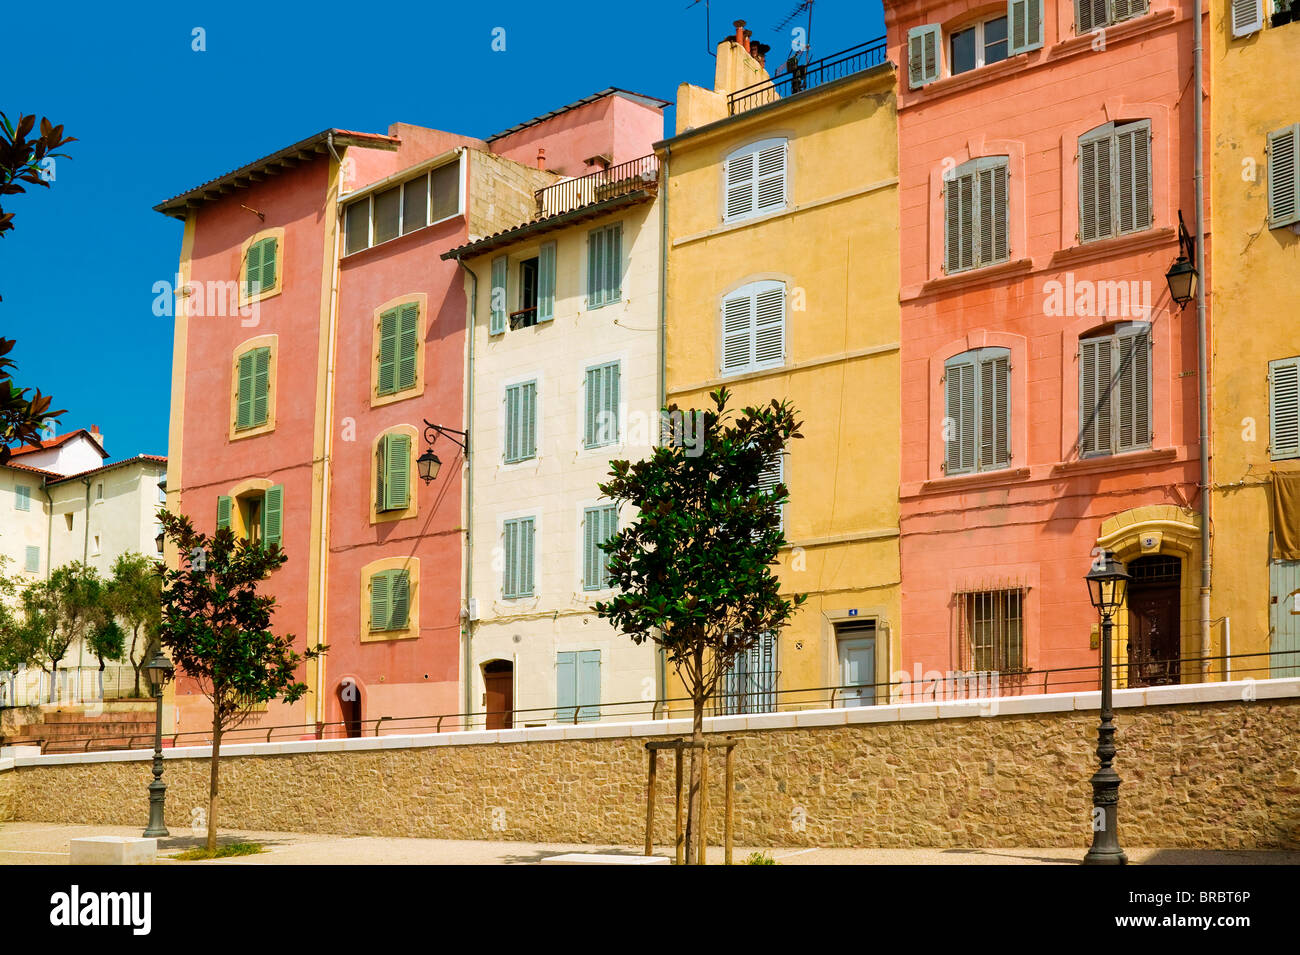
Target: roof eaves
<point x="653" y="102"/>
<point x="548" y="224"/>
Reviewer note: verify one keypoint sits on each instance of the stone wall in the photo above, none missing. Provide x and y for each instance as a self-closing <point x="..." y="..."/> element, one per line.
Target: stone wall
<point x="1220" y="773"/>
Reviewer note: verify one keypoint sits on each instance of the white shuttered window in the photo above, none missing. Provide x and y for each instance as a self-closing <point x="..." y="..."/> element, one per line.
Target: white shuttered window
<point x="1284" y="177"/>
<point x="977" y="423"/>
<point x="754" y="179"/>
<point x="753" y="327"/>
<point x="1284" y="408"/>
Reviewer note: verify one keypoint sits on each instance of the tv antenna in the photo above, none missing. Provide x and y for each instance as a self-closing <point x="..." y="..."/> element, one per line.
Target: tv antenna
<point x="805" y="6"/>
<point x="708" y="27"/>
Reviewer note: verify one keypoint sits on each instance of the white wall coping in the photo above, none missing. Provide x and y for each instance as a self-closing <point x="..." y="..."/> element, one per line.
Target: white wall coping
<point x="1245" y="691"/>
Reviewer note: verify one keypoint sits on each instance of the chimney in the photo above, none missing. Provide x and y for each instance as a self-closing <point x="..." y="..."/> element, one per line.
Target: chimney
<point x="541" y="158"/>
<point x="740" y="33"/>
<point x="95" y="433"/>
<point x="759" y="52"/>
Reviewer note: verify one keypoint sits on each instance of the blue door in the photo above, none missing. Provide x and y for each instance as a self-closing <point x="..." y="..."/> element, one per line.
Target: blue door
<point x="1283" y="620"/>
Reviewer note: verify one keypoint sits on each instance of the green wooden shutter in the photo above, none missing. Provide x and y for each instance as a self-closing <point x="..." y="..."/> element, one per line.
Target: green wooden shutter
<point x="399" y="599"/>
<point x="244" y="396"/>
<point x="261" y="403"/>
<point x="397" y="472"/>
<point x="599" y="524"/>
<point x="517" y="573"/>
<point x="388" y="352"/>
<point x="32" y="559"/>
<point x="600" y="419"/>
<point x="588" y="685"/>
<point x="959" y="382"/>
<point x="270" y="251"/>
<point x="1024" y="26"/>
<point x="22" y="498"/>
<point x="253" y="269"/>
<point x="380" y="600"/>
<point x="526" y="563"/>
<point x="521" y="422"/>
<point x="604" y="265"/>
<point x="273" y="516"/>
<point x="1133" y="165"/>
<point x="1284" y="408"/>
<point x="225" y="505"/>
<point x="497" y="321"/>
<point x="546" y="282"/>
<point x="1284" y="177"/>
<point x="924" y="54"/>
<point x="566" y="686"/>
<point x="408" y="345"/>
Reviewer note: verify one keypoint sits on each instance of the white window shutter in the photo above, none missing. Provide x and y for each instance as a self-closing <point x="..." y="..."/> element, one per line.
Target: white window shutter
<point x="924" y="54"/>
<point x="740" y="175"/>
<point x="1247" y="17"/>
<point x="769" y="326"/>
<point x="737" y="332"/>
<point x="1133" y="158"/>
<point x="1284" y="177"/>
<point x="1284" y="408"/>
<point x="753" y="327"/>
<point x="769" y="189"/>
<point x="1024" y="26"/>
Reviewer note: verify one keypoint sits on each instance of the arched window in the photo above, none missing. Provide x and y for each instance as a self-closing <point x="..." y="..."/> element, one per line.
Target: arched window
<point x="977" y="417"/>
<point x="976" y="214"/>
<point x="753" y="327"/>
<point x="1115" y="390"/>
<point x="1115" y="180"/>
<point x="754" y="179"/>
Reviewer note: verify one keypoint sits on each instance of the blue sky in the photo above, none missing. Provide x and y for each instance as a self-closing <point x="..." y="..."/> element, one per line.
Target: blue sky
<point x="154" y="118"/>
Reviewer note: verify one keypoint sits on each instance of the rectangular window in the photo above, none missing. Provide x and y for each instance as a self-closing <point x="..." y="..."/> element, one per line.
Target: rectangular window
<point x="357" y="226"/>
<point x="1115" y="392"/>
<point x="605" y="265"/>
<point x="253" y="399"/>
<point x="599" y="524"/>
<point x="753" y="327"/>
<point x="521" y="422"/>
<point x="399" y="348"/>
<point x="99" y="492"/>
<point x="32" y="562"/>
<point x="1284" y="408"/>
<point x="526" y="315"/>
<point x="749" y="685"/>
<point x="259" y="266"/>
<point x="22" y="497"/>
<point x="393" y="461"/>
<point x="517" y="578"/>
<point x="445" y="188"/>
<point x="577" y="686"/>
<point x="402" y="208"/>
<point x="415" y="204"/>
<point x="1090" y="15"/>
<point x="992" y="637"/>
<point x="600" y="418"/>
<point x="981" y="44"/>
<point x="390" y="600"/>
<point x="976" y="213"/>
<point x="977" y="422"/>
<point x="387" y="213"/>
<point x="1284" y="177"/>
<point x="754" y="179"/>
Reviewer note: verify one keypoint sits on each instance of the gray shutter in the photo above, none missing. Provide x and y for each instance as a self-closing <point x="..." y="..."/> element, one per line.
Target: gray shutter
<point x="1095" y="189"/>
<point x="993" y="211"/>
<point x="994" y="413"/>
<point x="737" y="332"/>
<point x="614" y="263"/>
<point x="600" y="417"/>
<point x="1094" y="396"/>
<point x="1284" y="177"/>
<point x="497" y="301"/>
<point x="960" y="232"/>
<point x="588" y="685"/>
<point x="510" y="565"/>
<point x="1247" y="17"/>
<point x="1126" y="9"/>
<point x="1284" y="408"/>
<point x="1089" y="15"/>
<point x="924" y="54"/>
<point x="769" y="190"/>
<point x="32" y="559"/>
<point x="566" y="685"/>
<point x="739" y="175"/>
<point x="1024" y="26"/>
<point x="959" y="389"/>
<point x="546" y="283"/>
<point x="1133" y="149"/>
<point x="526" y="558"/>
<point x="1134" y="387"/>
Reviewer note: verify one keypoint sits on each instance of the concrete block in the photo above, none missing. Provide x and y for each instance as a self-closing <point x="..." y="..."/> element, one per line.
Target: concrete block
<point x="821" y="718"/>
<point x="726" y="724"/>
<point x="596" y="858"/>
<point x="918" y="711"/>
<point x="9" y="752"/>
<point x="871" y="714"/>
<point x="113" y="850"/>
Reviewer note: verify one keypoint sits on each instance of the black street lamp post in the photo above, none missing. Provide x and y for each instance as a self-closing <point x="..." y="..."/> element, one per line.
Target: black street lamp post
<point x="160" y="671"/>
<point x="1106" y="585"/>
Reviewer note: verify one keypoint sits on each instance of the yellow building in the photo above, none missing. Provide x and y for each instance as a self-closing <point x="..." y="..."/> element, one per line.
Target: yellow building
<point x="1255" y="357"/>
<point x="782" y="282"/>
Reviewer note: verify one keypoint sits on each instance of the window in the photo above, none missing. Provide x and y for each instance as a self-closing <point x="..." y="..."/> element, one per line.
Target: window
<point x="577" y="686"/>
<point x="399" y="349"/>
<point x="99" y="492"/>
<point x="1091" y="14"/>
<point x="605" y="265"/>
<point x="600" y="418"/>
<point x="1115" y="180"/>
<point x="32" y="561"/>
<point x="252" y="403"/>
<point x="992" y="637"/>
<point x="259" y="515"/>
<point x="260" y="266"/>
<point x="977" y="415"/>
<point x="526" y="315"/>
<point x="1284" y="408"/>
<point x="754" y="178"/>
<point x="162" y="494"/>
<point x="95" y="548"/>
<point x="1284" y="177"/>
<point x="393" y="473"/>
<point x="976" y="212"/>
<point x="1247" y="17"/>
<point x="67" y="521"/>
<point x="22" y="497"/>
<point x="753" y="327"/>
<point x="599" y="524"/>
<point x="1115" y="391"/>
<point x="390" y="600"/>
<point x="978" y="45"/>
<point x="1025" y="19"/>
<point x="517" y="578"/>
<point x="772" y="475"/>
<point x="749" y="685"/>
<point x="521" y="422"/>
<point x="402" y="208"/>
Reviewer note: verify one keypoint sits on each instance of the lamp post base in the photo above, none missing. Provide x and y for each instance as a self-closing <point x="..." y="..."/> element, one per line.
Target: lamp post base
<point x="1097" y="856"/>
<point x="157" y="796"/>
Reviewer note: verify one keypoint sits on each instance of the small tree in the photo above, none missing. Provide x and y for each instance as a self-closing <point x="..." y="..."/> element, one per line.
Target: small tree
<point x="107" y="641"/>
<point x="59" y="612"/>
<point x="694" y="568"/>
<point x="217" y="628"/>
<point x="134" y="597"/>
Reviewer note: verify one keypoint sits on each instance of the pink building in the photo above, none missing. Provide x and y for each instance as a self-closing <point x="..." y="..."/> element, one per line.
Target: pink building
<point x="1049" y="383"/>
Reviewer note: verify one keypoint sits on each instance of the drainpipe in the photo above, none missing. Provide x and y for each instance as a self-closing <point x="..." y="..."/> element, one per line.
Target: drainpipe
<point x="85" y="540"/>
<point x="49" y="527"/>
<point x="468" y="663"/>
<point x="323" y="554"/>
<point x="663" y="349"/>
<point x="1201" y="348"/>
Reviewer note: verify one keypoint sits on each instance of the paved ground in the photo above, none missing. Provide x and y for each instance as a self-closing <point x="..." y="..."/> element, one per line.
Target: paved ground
<point x="34" y="843"/>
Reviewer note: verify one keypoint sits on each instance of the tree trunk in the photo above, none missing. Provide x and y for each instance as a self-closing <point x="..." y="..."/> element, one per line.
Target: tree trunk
<point x="212" y="780"/>
<point x="697" y="766"/>
<point x="135" y="636"/>
<point x="54" y="682"/>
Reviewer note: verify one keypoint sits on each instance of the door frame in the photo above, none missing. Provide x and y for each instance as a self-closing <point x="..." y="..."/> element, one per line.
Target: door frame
<point x="830" y="644"/>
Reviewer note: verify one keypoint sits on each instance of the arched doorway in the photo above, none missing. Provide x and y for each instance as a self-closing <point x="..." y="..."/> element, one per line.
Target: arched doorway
<point x="499" y="694"/>
<point x="1154" y="620"/>
<point x="350" y="706"/>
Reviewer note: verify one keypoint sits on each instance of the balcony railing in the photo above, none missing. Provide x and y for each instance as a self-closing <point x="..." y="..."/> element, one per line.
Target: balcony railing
<point x="632" y="176"/>
<point x="806" y="76"/>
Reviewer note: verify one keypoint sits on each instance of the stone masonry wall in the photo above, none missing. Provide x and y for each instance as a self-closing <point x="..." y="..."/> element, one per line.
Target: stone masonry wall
<point x="1222" y="775"/>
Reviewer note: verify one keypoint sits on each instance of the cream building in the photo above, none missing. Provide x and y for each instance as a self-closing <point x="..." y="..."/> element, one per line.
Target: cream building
<point x="564" y="377"/>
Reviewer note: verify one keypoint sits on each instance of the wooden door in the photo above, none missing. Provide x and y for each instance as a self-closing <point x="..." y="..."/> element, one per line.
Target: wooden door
<point x="1154" y="622"/>
<point x="499" y="695"/>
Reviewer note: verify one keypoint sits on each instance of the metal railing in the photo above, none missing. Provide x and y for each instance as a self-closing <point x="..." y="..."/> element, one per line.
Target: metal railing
<point x="806" y="76"/>
<point x="932" y="687"/>
<point x="635" y="175"/>
<point x="32" y="686"/>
